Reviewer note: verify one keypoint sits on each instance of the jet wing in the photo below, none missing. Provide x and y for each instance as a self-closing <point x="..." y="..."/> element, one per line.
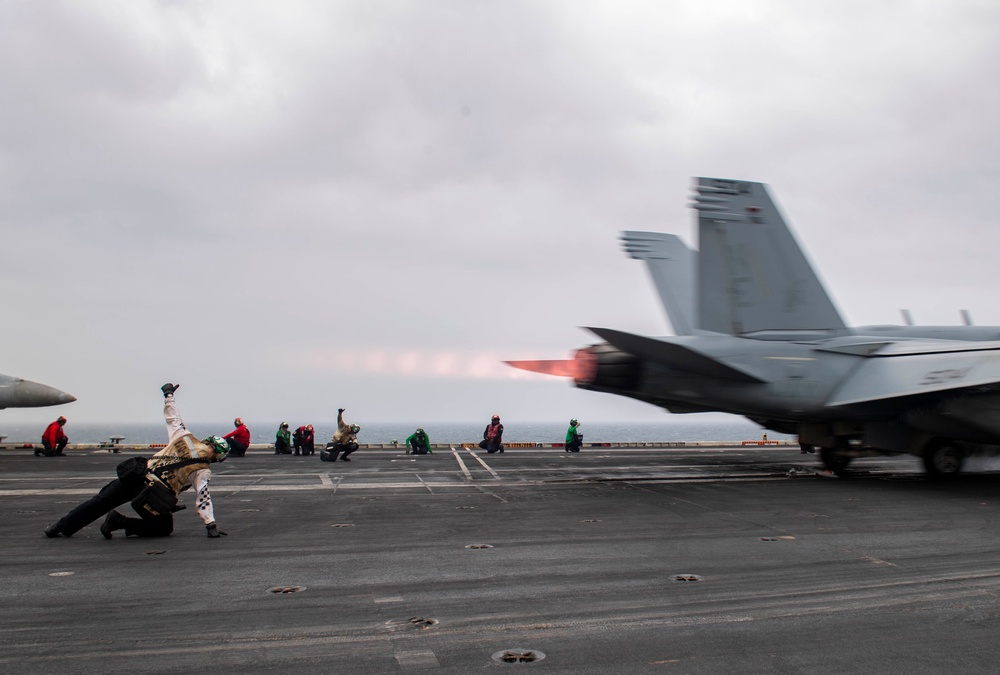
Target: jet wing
<point x="672" y="354"/>
<point x="920" y="368"/>
<point x="870" y="346"/>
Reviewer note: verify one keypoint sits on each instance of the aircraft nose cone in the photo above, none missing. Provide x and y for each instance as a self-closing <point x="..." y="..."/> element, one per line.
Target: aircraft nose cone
<point x="64" y="397"/>
<point x="27" y="394"/>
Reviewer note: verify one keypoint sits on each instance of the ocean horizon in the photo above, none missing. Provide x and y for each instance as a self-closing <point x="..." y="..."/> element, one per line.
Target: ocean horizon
<point x="443" y="432"/>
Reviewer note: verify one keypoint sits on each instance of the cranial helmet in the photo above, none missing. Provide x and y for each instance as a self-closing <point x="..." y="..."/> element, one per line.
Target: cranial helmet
<point x="496" y="417"/>
<point x="573" y="422"/>
<point x="355" y="428"/>
<point x="220" y="445"/>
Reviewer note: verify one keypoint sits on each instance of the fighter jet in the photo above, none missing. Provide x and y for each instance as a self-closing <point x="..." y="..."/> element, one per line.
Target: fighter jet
<point x="759" y="336"/>
<point x="18" y="393"/>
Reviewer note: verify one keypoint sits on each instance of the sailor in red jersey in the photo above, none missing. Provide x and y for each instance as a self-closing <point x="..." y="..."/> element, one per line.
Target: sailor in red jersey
<point x="239" y="438"/>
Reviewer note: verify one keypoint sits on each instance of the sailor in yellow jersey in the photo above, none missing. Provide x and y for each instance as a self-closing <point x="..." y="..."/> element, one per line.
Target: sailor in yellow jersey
<point x="345" y="440"/>
<point x="183" y="464"/>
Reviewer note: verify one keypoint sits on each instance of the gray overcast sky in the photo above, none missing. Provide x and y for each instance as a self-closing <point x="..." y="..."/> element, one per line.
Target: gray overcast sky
<point x="293" y="206"/>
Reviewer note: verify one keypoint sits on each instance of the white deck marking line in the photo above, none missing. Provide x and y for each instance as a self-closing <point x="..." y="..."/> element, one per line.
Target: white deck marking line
<point x="485" y="465"/>
<point x="424" y="483"/>
<point x="479" y="486"/>
<point x="325" y="479"/>
<point x="251" y="486"/>
<point x="223" y="490"/>
<point x="439" y="485"/>
<point x="425" y="659"/>
<point x="461" y="464"/>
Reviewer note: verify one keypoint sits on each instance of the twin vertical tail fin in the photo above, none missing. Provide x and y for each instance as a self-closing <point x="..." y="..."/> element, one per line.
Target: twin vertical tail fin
<point x="752" y="274"/>
<point x="749" y="274"/>
<point x="671" y="265"/>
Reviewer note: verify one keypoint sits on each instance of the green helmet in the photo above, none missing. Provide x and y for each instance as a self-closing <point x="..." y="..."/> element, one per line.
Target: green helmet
<point x="220" y="445"/>
<point x="573" y="422"/>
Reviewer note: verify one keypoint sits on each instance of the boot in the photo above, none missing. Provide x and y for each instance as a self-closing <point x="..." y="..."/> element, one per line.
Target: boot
<point x="52" y="531"/>
<point x="114" y="521"/>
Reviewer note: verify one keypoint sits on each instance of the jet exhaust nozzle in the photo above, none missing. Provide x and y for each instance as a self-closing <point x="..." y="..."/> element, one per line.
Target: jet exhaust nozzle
<point x="600" y="366"/>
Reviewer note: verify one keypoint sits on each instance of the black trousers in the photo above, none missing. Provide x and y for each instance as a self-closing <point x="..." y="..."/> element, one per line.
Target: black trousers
<point x="339" y="450"/>
<point x="281" y="447"/>
<point x="491" y="446"/>
<point x="307" y="447"/>
<point x="419" y="449"/>
<point x="236" y="448"/>
<point x="111" y="496"/>
<point x="50" y="451"/>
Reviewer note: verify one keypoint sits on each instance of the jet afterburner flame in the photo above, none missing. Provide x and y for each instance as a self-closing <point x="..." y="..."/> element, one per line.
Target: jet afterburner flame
<point x="582" y="367"/>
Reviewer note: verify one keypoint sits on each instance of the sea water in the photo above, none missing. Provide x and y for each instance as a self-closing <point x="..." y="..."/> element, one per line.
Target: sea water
<point x="674" y="430"/>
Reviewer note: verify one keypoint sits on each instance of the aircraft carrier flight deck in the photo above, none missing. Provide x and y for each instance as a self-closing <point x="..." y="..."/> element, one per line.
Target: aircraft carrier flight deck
<point x="624" y="560"/>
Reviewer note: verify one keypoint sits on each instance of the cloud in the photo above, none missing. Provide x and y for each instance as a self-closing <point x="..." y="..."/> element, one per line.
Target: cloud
<point x="410" y="193"/>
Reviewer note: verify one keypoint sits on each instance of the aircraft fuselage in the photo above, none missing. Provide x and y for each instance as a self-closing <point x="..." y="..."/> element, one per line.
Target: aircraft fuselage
<point x="18" y="393"/>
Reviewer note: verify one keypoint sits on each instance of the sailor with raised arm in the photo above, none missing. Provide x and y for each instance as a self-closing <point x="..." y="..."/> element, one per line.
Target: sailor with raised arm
<point x="152" y="486"/>
<point x="345" y="440"/>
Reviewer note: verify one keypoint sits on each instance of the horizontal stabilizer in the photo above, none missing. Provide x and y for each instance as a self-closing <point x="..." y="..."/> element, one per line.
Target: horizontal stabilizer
<point x="674" y="355"/>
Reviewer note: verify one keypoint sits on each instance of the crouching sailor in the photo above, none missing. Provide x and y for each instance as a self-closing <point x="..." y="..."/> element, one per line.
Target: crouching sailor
<point x="345" y="440"/>
<point x="152" y="486"/>
<point x="574" y="439"/>
<point x="418" y="443"/>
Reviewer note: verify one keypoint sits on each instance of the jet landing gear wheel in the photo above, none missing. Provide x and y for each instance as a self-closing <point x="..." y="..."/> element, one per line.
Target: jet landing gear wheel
<point x="943" y="460"/>
<point x="834" y="461"/>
